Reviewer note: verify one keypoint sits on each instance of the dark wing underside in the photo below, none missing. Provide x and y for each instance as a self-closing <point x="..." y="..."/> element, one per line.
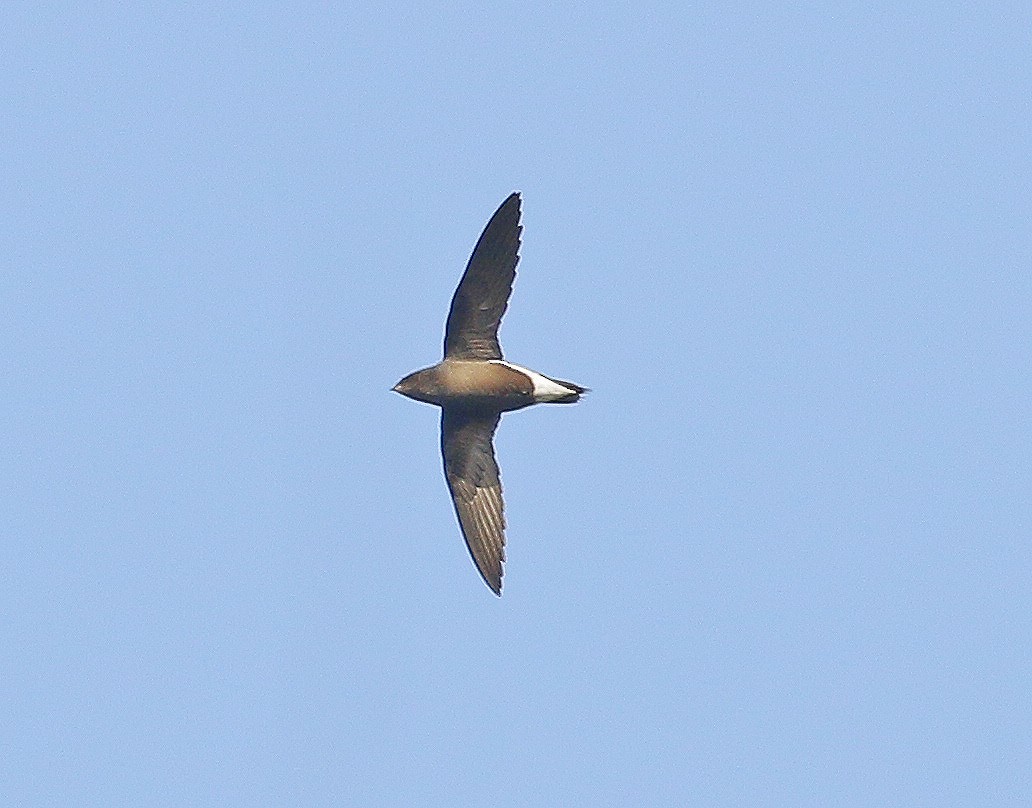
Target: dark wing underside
<point x="483" y="293"/>
<point x="476" y="488"/>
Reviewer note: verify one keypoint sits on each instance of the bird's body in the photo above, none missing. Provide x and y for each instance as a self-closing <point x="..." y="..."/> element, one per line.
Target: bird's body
<point x="493" y="384"/>
<point x="473" y="386"/>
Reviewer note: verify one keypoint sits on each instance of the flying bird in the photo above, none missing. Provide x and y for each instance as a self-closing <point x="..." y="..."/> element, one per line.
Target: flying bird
<point x="473" y="385"/>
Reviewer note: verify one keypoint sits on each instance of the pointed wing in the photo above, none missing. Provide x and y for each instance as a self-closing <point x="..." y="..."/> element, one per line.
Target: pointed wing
<point x="476" y="488"/>
<point x="483" y="293"/>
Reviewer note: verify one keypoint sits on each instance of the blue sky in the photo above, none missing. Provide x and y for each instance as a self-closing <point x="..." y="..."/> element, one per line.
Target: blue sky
<point x="779" y="556"/>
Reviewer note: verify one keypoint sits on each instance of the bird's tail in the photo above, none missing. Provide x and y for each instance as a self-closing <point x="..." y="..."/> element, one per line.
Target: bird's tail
<point x="576" y="391"/>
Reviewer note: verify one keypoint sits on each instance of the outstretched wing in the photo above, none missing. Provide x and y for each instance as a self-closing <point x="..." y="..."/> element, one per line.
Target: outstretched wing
<point x="476" y="488"/>
<point x="483" y="293"/>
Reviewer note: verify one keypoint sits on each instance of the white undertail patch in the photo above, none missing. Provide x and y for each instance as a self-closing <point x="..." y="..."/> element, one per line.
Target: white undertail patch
<point x="544" y="388"/>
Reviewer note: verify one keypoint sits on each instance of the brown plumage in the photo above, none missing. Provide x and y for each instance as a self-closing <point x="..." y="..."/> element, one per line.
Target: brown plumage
<point x="473" y="385"/>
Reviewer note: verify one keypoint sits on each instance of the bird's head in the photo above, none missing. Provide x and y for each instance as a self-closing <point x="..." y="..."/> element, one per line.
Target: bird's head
<point x="421" y="386"/>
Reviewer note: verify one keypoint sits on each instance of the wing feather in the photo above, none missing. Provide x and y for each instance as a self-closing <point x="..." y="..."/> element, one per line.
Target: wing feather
<point x="483" y="293"/>
<point x="476" y="487"/>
